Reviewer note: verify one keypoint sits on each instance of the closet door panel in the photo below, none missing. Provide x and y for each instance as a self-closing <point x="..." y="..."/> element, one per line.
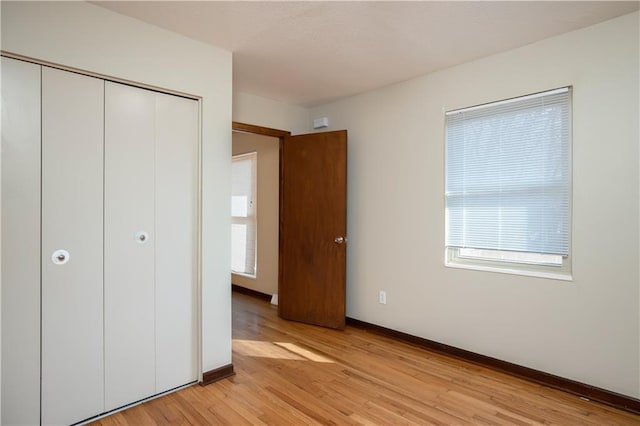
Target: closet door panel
<point x="72" y="217"/>
<point x="176" y="216"/>
<point x="129" y="244"/>
<point x="20" y="242"/>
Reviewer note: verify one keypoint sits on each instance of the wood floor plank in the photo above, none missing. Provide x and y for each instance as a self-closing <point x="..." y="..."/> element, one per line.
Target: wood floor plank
<point x="294" y="374"/>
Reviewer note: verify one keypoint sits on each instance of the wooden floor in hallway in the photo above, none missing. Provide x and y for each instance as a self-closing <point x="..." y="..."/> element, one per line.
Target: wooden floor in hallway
<point x="294" y="374"/>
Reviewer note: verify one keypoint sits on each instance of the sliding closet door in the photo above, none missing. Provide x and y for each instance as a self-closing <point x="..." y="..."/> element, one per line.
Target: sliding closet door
<point x="150" y="243"/>
<point x="20" y="242"/>
<point x="72" y="216"/>
<point x="176" y="218"/>
<point x="130" y="239"/>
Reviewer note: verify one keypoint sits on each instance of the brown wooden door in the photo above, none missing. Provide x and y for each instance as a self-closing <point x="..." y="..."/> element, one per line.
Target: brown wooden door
<point x="313" y="218"/>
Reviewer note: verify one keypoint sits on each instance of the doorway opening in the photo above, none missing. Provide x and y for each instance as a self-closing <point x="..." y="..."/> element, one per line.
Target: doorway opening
<point x="312" y="216"/>
<point x="255" y="210"/>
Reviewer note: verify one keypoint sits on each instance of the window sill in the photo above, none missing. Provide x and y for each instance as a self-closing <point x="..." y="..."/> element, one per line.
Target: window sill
<point x="513" y="271"/>
<point x="240" y="274"/>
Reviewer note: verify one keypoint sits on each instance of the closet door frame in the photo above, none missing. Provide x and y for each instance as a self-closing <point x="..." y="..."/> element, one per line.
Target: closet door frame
<point x="198" y="219"/>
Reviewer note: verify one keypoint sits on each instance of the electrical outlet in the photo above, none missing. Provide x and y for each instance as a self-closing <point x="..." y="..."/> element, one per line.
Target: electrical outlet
<point x="382" y="297"/>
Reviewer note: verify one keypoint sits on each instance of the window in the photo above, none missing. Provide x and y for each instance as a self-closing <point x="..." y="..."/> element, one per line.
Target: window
<point x="508" y="185"/>
<point x="243" y="214"/>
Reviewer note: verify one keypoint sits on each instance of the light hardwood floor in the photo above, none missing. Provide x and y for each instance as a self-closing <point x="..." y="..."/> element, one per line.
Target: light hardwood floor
<point x="289" y="374"/>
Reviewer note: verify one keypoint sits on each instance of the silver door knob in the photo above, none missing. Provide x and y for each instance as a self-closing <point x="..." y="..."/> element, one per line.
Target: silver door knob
<point x="339" y="240"/>
<point x="142" y="237"/>
<point x="60" y="257"/>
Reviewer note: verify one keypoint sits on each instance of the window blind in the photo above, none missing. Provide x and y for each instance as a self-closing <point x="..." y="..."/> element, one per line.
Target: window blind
<point x="243" y="217"/>
<point x="508" y="175"/>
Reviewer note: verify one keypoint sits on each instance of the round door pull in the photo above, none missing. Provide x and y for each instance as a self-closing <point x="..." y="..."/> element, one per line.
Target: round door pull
<point x="60" y="257"/>
<point x="142" y="237"/>
<point x="339" y="240"/>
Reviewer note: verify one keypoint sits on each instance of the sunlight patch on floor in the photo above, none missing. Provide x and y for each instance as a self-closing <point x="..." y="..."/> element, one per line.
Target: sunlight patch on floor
<point x="276" y="350"/>
<point x="292" y="347"/>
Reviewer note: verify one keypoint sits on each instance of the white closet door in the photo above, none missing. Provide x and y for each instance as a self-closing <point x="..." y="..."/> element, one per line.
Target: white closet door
<point x="176" y="216"/>
<point x="20" y="242"/>
<point x="129" y="244"/>
<point x="72" y="216"/>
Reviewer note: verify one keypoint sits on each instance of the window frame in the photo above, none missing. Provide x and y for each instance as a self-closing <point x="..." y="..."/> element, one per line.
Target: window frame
<point x="544" y="267"/>
<point x="252" y="213"/>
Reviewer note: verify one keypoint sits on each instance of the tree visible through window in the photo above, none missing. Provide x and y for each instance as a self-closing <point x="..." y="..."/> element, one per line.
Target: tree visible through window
<point x="508" y="182"/>
<point x="243" y="214"/>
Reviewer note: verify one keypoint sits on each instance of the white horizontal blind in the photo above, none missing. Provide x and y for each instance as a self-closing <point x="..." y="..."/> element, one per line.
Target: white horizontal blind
<point x="243" y="213"/>
<point x="508" y="175"/>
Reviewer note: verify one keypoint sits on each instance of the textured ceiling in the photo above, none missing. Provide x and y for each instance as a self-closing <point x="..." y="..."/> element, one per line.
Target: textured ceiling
<point x="310" y="52"/>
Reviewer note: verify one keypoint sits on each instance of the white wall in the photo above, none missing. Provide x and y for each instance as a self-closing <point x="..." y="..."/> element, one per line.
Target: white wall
<point x="0" y="251"/>
<point x="251" y="109"/>
<point x="586" y="330"/>
<point x="268" y="185"/>
<point x="88" y="37"/>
